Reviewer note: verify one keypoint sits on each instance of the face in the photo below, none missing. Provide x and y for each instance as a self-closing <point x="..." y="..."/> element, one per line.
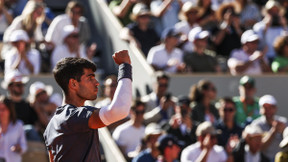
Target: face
<point x="143" y="19"/>
<point x="173" y="151"/>
<point x="42" y="96"/>
<point x="172" y="41"/>
<point x="72" y="39"/>
<point x="110" y="87"/>
<point x="37" y="13"/>
<point x="161" y="87"/>
<point x="16" y="89"/>
<point x="139" y="113"/>
<point x="4" y="112"/>
<point x="201" y="43"/>
<point x="269" y="110"/>
<point x="227" y="112"/>
<point x="20" y="45"/>
<point x="211" y="92"/>
<point x="247" y="90"/>
<point x="252" y="46"/>
<point x="192" y="15"/>
<point x="76" y="13"/>
<point x="88" y="86"/>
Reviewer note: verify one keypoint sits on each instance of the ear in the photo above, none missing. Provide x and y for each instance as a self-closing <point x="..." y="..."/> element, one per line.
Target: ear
<point x="72" y="84"/>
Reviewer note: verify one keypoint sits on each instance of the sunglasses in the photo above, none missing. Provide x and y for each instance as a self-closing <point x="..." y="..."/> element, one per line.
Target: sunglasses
<point x="163" y="85"/>
<point x="17" y="84"/>
<point x="139" y="112"/>
<point x="74" y="36"/>
<point x="226" y="109"/>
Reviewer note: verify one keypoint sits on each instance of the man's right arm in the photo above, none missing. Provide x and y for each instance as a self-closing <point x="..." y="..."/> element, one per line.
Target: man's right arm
<point x="122" y="100"/>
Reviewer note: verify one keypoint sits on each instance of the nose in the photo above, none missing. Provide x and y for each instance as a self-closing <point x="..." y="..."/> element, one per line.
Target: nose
<point x="97" y="83"/>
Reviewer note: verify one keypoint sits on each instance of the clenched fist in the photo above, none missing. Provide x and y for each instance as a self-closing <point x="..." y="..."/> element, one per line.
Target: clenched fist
<point x="121" y="57"/>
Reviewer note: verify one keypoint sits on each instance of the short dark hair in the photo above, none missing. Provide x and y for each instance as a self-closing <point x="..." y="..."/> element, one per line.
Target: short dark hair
<point x="136" y="103"/>
<point x="226" y="100"/>
<point x="71" y="68"/>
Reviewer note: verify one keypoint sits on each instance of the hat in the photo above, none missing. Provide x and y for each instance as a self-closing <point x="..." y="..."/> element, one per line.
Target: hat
<point x="68" y="30"/>
<point x="183" y="100"/>
<point x="197" y="33"/>
<point x="272" y="3"/>
<point x="253" y="130"/>
<point x="166" y="140"/>
<point x="187" y="6"/>
<point x="19" y="35"/>
<point x="14" y="76"/>
<point x="247" y="79"/>
<point x="249" y="36"/>
<point x="38" y="86"/>
<point x="138" y="10"/>
<point x="153" y="129"/>
<point x="170" y="32"/>
<point x="206" y="128"/>
<point x="267" y="99"/>
<point x="284" y="142"/>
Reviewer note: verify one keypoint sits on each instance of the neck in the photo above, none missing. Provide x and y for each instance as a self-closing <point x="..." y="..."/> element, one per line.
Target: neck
<point x="229" y="124"/>
<point x="206" y="102"/>
<point x="78" y="102"/>
<point x="247" y="100"/>
<point x="15" y="98"/>
<point x="199" y="51"/>
<point x="169" y="48"/>
<point x="143" y="27"/>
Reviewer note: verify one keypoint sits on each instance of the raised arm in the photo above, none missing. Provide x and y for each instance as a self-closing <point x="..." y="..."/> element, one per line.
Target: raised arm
<point x="122" y="100"/>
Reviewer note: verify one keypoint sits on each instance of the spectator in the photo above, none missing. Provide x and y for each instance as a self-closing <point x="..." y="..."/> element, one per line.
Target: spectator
<point x="248" y="60"/>
<point x="248" y="149"/>
<point x="5" y="19"/>
<point x="151" y="152"/>
<point x="189" y="15"/>
<point x="272" y="125"/>
<point x="168" y="147"/>
<point x="247" y="107"/>
<point x="250" y="13"/>
<point x="73" y="16"/>
<point x="110" y="84"/>
<point x="14" y="83"/>
<point x="71" y="46"/>
<point x="280" y="63"/>
<point x="12" y="137"/>
<point x="21" y="57"/>
<point x="160" y="89"/>
<point x="122" y="9"/>
<point x="140" y="32"/>
<point x="206" y="148"/>
<point x="30" y="21"/>
<point x="207" y="19"/>
<point x="202" y="94"/>
<point x="135" y="127"/>
<point x="166" y="13"/>
<point x="282" y="155"/>
<point x="166" y="56"/>
<point x="41" y="98"/>
<point x="226" y="123"/>
<point x="226" y="37"/>
<point x="200" y="59"/>
<point x="181" y="125"/>
<point x="272" y="25"/>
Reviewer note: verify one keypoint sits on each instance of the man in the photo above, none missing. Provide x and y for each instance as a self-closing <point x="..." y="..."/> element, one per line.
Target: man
<point x="272" y="125"/>
<point x="247" y="107"/>
<point x="72" y="133"/>
<point x="248" y="60"/>
<point x="205" y="149"/>
<point x="229" y="128"/>
<point x="200" y="58"/>
<point x="15" y="82"/>
<point x="166" y="56"/>
<point x="169" y="148"/>
<point x="129" y="134"/>
<point x="248" y="149"/>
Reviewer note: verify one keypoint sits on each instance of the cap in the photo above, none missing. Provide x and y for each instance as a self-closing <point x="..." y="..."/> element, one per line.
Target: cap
<point x="247" y="79"/>
<point x="38" y="86"/>
<point x="19" y="35"/>
<point x="170" y="32"/>
<point x="206" y="128"/>
<point x="267" y="99"/>
<point x="14" y="76"/>
<point x="183" y="100"/>
<point x="69" y="29"/>
<point x="284" y="142"/>
<point x="153" y="129"/>
<point x="166" y="140"/>
<point x="197" y="33"/>
<point x="272" y="3"/>
<point x="138" y="10"/>
<point x="249" y="36"/>
<point x="253" y="130"/>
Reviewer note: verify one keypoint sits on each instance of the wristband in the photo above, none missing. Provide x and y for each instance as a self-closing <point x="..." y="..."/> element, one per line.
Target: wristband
<point x="125" y="71"/>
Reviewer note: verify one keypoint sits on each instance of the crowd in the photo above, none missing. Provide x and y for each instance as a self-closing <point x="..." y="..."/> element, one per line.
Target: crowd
<point x="240" y="37"/>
